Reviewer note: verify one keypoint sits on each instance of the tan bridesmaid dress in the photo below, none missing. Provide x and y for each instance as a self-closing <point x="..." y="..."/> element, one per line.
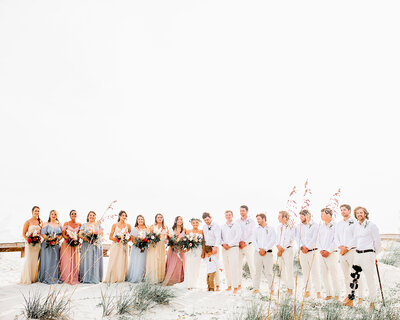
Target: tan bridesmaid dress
<point x="118" y="261"/>
<point x="155" y="262"/>
<point x="31" y="264"/>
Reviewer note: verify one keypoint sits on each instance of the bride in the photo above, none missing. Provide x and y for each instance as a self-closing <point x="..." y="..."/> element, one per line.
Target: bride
<point x="193" y="256"/>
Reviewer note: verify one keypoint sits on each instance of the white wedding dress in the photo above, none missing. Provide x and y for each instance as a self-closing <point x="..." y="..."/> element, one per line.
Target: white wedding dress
<point x="192" y="267"/>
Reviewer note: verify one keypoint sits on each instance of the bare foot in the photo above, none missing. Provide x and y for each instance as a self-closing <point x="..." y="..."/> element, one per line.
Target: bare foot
<point x="239" y="286"/>
<point x="235" y="290"/>
<point x="307" y="294"/>
<point x="328" y="298"/>
<point x="337" y="298"/>
<point x="228" y="289"/>
<point x="372" y="305"/>
<point x="360" y="300"/>
<point x="346" y="300"/>
<point x="217" y="289"/>
<point x="319" y="295"/>
<point x="290" y="291"/>
<point x="256" y="291"/>
<point x="349" y="303"/>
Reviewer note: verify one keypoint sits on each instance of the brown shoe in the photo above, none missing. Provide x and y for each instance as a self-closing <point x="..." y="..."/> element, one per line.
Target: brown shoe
<point x="349" y="303"/>
<point x="328" y="298"/>
<point x="239" y="286"/>
<point x="346" y="300"/>
<point x="228" y="289"/>
<point x="372" y="305"/>
<point x="336" y="298"/>
<point x="307" y="294"/>
<point x="256" y="291"/>
<point x="217" y="289"/>
<point x="319" y="295"/>
<point x="235" y="290"/>
<point x="360" y="300"/>
<point x="290" y="291"/>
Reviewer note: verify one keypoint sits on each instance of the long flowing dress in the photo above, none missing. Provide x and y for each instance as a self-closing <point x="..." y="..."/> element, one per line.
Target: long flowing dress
<point x="118" y="262"/>
<point x="155" y="262"/>
<point x="69" y="260"/>
<point x="192" y="267"/>
<point x="91" y="259"/>
<point x="49" y="268"/>
<point x="175" y="269"/>
<point x="31" y="264"/>
<point x="137" y="263"/>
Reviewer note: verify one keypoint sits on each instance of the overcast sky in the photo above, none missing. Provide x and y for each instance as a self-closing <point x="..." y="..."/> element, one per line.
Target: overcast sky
<point x="182" y="107"/>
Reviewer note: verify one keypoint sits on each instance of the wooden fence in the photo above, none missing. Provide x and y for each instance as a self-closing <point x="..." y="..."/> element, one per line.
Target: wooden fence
<point x="20" y="246"/>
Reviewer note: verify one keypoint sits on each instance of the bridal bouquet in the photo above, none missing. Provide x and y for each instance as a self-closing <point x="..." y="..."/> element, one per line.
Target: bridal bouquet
<point x="34" y="238"/>
<point x="142" y="241"/>
<point x="192" y="241"/>
<point x="52" y="239"/>
<point x="72" y="238"/>
<point x="154" y="238"/>
<point x="123" y="236"/>
<point x="176" y="243"/>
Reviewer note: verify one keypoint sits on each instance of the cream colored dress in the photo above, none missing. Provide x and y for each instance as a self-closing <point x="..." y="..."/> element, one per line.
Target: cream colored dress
<point x="31" y="264"/>
<point x="118" y="261"/>
<point x="155" y="262"/>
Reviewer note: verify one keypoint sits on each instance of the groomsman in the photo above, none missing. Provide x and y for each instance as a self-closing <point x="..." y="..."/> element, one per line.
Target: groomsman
<point x="329" y="260"/>
<point x="264" y="241"/>
<point x="245" y="245"/>
<point x="306" y="234"/>
<point x="346" y="243"/>
<point x="368" y="243"/>
<point x="231" y="233"/>
<point x="212" y="238"/>
<point x="285" y="237"/>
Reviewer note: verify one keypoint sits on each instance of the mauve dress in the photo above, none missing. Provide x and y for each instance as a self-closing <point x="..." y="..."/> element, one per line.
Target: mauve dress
<point x="175" y="266"/>
<point x="137" y="264"/>
<point x="91" y="260"/>
<point x="49" y="269"/>
<point x="69" y="260"/>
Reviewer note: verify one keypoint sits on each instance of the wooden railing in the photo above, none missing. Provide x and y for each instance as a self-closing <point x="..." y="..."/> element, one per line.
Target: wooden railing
<point x="20" y="246"/>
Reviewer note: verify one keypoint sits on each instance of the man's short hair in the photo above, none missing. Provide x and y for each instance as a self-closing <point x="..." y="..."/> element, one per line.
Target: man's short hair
<point x="262" y="215"/>
<point x="284" y="214"/>
<point x="305" y="212"/>
<point x="244" y="207"/>
<point x="347" y="206"/>
<point x="228" y="211"/>
<point x="208" y="249"/>
<point x="327" y="211"/>
<point x="206" y="215"/>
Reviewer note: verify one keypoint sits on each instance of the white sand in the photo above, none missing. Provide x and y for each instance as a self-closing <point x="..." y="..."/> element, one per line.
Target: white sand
<point x="193" y="304"/>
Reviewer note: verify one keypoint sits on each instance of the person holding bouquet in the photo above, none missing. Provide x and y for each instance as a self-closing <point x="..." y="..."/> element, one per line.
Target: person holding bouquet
<point x="193" y="254"/>
<point x="176" y="255"/>
<point x="155" y="262"/>
<point x="91" y="259"/>
<point x="31" y="234"/>
<point x="69" y="252"/>
<point x="118" y="263"/>
<point x="49" y="269"/>
<point x="137" y="264"/>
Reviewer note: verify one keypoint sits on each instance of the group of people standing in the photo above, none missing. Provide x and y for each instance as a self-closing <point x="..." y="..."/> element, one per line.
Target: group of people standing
<point x="321" y="246"/>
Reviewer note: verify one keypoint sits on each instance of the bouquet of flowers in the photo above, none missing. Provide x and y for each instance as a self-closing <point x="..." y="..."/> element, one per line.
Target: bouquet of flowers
<point x="142" y="241"/>
<point x="123" y="236"/>
<point x="192" y="241"/>
<point x="90" y="235"/>
<point x="52" y="239"/>
<point x="34" y="238"/>
<point x="154" y="238"/>
<point x="176" y="243"/>
<point x="72" y="239"/>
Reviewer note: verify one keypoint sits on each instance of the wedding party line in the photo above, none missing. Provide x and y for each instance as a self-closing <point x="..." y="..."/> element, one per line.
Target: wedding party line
<point x="352" y="243"/>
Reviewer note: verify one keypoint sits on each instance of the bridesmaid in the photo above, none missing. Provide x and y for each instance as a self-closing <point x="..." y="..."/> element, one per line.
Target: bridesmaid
<point x="155" y="262"/>
<point x="49" y="269"/>
<point x="175" y="259"/>
<point x="91" y="260"/>
<point x="137" y="264"/>
<point x="193" y="257"/>
<point x="31" y="227"/>
<point x="118" y="263"/>
<point x="69" y="255"/>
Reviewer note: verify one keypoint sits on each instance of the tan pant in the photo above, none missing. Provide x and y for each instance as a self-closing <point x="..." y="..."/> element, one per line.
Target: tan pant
<point x="310" y="265"/>
<point x="210" y="281"/>
<point x="346" y="262"/>
<point x="329" y="274"/>
<point x="231" y="265"/>
<point x="285" y="262"/>
<point x="248" y="252"/>
<point x="263" y="263"/>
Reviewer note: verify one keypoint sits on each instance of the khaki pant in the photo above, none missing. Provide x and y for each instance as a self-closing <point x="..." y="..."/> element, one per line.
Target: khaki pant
<point x="263" y="263"/>
<point x="346" y="262"/>
<point x="231" y="265"/>
<point x="367" y="262"/>
<point x="210" y="281"/>
<point x="285" y="263"/>
<point x="248" y="252"/>
<point x="329" y="272"/>
<point x="310" y="265"/>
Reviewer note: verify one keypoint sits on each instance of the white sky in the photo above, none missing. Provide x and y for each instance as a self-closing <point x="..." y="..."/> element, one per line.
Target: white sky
<point x="182" y="107"/>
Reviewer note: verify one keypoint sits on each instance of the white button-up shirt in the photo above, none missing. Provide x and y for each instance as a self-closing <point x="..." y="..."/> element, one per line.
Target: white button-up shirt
<point x="285" y="236"/>
<point x="212" y="263"/>
<point x="345" y="233"/>
<point x="231" y="234"/>
<point x="248" y="226"/>
<point x="308" y="234"/>
<point x="212" y="234"/>
<point x="265" y="238"/>
<point x="367" y="236"/>
<point x="326" y="237"/>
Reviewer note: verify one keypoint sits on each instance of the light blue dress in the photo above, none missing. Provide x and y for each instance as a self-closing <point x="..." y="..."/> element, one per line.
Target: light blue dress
<point x="49" y="269"/>
<point x="91" y="259"/>
<point x="137" y="264"/>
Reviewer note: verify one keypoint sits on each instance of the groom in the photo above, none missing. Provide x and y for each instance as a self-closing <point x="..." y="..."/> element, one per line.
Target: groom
<point x="212" y="238"/>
